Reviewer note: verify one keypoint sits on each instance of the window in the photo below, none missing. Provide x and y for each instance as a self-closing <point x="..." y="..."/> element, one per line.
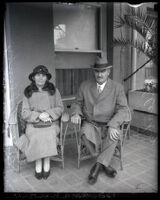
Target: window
<point x="151" y="71"/>
<point x="80" y="34"/>
<point x="77" y="29"/>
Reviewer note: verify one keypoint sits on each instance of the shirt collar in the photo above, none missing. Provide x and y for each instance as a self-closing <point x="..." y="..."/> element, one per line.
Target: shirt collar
<point x="102" y="85"/>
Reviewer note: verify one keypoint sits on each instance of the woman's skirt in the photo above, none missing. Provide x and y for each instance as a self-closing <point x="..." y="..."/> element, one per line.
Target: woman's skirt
<point x="39" y="143"/>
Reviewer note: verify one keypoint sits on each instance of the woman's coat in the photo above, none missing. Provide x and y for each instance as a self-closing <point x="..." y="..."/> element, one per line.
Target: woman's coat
<point x="40" y="142"/>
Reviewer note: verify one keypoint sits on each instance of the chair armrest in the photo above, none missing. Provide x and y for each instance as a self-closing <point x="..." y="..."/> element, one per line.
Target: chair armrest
<point x="129" y="115"/>
<point x="14" y="132"/>
<point x="13" y="118"/>
<point x="63" y="127"/>
<point x="13" y="124"/>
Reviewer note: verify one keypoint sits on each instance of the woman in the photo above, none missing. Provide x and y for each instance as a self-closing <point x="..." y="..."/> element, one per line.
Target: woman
<point x="41" y="108"/>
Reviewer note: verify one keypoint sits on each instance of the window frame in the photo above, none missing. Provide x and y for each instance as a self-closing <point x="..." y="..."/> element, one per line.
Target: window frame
<point x="99" y="34"/>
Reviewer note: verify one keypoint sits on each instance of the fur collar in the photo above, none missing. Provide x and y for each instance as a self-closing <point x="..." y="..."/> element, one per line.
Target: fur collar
<point x="33" y="88"/>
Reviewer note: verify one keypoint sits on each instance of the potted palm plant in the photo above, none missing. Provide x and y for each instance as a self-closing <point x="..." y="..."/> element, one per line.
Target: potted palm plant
<point x="144" y="99"/>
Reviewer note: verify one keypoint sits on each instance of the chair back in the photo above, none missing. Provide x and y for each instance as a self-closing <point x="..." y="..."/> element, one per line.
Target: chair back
<point x="21" y="122"/>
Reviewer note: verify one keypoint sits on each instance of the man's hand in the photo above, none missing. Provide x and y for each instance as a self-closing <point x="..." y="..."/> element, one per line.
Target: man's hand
<point x="113" y="133"/>
<point x="76" y="119"/>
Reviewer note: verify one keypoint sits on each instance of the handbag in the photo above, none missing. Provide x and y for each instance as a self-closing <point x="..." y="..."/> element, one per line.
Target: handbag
<point x="42" y="124"/>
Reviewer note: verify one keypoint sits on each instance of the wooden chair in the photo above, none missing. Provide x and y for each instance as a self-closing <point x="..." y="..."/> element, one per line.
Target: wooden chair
<point x="83" y="153"/>
<point x="17" y="128"/>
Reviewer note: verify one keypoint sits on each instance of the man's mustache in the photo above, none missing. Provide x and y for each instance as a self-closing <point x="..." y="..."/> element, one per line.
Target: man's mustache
<point x="99" y="76"/>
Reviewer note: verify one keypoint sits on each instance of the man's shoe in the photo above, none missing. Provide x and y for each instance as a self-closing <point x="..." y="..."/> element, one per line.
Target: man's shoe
<point x="46" y="174"/>
<point x="92" y="178"/>
<point x="110" y="171"/>
<point x="38" y="175"/>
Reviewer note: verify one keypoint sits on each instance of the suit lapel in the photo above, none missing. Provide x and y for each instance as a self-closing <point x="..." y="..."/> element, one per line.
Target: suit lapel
<point x="94" y="92"/>
<point x="107" y="86"/>
<point x="106" y="90"/>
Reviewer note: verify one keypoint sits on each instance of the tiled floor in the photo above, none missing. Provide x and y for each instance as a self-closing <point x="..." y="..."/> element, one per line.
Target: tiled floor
<point x="138" y="176"/>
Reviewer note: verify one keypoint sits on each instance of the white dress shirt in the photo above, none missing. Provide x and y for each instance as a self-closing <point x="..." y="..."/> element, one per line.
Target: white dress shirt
<point x="101" y="87"/>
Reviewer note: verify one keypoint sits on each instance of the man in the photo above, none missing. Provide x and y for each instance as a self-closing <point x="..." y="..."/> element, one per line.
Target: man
<point x="103" y="110"/>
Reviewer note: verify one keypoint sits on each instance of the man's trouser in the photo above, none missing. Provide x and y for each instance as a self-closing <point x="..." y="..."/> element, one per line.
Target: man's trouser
<point x="108" y="145"/>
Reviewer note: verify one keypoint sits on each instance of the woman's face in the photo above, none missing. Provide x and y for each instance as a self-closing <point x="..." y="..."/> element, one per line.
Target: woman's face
<point x="40" y="79"/>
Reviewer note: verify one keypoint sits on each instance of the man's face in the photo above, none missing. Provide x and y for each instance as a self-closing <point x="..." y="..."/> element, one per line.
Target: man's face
<point x="101" y="75"/>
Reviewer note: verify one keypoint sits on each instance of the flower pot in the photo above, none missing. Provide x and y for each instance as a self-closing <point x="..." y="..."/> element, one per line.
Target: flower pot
<point x="143" y="101"/>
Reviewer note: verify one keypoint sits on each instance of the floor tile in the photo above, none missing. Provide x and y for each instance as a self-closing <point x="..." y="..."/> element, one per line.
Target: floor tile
<point x="139" y="174"/>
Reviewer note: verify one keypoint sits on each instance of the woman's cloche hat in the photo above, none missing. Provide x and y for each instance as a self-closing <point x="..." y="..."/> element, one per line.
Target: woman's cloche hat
<point x="101" y="63"/>
<point x="40" y="69"/>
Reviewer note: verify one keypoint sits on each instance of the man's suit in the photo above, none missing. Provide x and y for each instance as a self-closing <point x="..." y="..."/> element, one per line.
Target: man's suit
<point x="109" y="107"/>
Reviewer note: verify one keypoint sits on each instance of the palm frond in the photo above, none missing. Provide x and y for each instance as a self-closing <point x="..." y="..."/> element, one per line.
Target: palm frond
<point x="141" y="46"/>
<point x="138" y="21"/>
<point x="145" y="25"/>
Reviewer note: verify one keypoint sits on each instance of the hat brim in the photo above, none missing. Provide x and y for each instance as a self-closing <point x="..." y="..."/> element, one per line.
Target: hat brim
<point x="49" y="76"/>
<point x="101" y="67"/>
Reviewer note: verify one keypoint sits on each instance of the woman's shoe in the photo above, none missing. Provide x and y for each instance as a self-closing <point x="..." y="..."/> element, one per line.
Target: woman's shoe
<point x="38" y="175"/>
<point x="46" y="174"/>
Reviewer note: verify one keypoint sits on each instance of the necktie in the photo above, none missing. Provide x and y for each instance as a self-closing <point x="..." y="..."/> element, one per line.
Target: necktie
<point x="99" y="89"/>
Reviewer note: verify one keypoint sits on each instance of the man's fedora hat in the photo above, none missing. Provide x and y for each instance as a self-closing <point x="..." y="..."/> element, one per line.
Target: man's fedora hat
<point x="101" y="63"/>
<point x="40" y="69"/>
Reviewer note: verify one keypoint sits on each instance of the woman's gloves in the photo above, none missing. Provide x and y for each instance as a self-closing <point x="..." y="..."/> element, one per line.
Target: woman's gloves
<point x="45" y="117"/>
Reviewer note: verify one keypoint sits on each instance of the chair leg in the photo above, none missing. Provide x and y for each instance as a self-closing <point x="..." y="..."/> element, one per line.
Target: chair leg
<point x="121" y="165"/>
<point x="78" y="163"/>
<point x="62" y="151"/>
<point x="63" y="164"/>
<point x="15" y="159"/>
<point x="18" y="160"/>
<point x="79" y="154"/>
<point x="79" y="148"/>
<point x="18" y="167"/>
<point x="129" y="132"/>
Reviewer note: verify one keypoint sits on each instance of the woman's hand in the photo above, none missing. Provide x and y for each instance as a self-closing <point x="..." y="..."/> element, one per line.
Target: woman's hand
<point x="45" y="117"/>
<point x="47" y="120"/>
<point x="37" y="120"/>
<point x="114" y="134"/>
